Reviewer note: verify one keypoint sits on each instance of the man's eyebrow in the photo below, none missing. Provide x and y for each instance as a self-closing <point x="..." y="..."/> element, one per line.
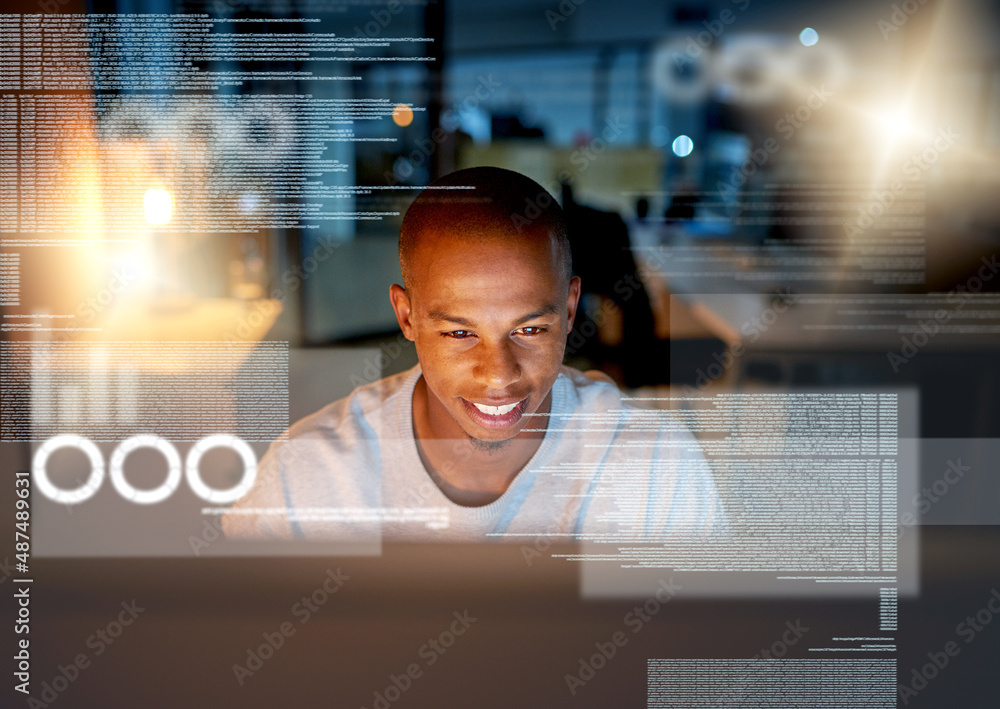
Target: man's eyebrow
<point x="441" y="315"/>
<point x="547" y="310"/>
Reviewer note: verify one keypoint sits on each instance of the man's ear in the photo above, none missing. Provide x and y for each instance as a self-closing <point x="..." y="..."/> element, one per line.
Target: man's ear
<point x="401" y="306"/>
<point x="574" y="300"/>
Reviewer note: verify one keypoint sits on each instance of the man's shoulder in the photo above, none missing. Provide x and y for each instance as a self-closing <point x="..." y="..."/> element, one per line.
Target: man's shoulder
<point x="366" y="406"/>
<point x="592" y="390"/>
<point x="332" y="458"/>
<point x="594" y="393"/>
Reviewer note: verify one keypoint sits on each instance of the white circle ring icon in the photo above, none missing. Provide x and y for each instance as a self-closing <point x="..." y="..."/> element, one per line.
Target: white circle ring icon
<point x="221" y="440"/>
<point x="146" y="497"/>
<point x="58" y="494"/>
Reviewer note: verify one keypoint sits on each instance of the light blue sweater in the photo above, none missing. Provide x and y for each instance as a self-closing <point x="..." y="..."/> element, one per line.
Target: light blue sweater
<point x="603" y="471"/>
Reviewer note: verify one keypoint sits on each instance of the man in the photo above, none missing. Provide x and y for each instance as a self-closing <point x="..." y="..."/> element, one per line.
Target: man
<point x="489" y="435"/>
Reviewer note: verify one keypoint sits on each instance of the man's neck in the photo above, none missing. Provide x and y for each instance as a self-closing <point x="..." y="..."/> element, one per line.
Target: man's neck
<point x="468" y="472"/>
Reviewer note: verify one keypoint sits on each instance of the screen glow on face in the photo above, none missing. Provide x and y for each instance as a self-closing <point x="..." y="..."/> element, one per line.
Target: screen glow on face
<point x="489" y="320"/>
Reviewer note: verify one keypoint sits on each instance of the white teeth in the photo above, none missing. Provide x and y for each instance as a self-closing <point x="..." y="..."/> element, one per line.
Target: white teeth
<point x="497" y="410"/>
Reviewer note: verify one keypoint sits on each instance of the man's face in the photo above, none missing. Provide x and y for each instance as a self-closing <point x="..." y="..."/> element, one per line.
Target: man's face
<point x="489" y="319"/>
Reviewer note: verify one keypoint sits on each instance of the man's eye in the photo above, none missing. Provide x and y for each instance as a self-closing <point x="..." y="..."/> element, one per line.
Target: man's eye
<point x="532" y="330"/>
<point x="458" y="334"/>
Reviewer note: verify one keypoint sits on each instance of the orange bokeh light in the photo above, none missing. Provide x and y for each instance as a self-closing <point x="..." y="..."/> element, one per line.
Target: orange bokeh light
<point x="402" y="115"/>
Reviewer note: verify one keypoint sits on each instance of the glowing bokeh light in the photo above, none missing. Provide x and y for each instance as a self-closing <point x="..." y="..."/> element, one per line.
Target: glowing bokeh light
<point x="402" y="115"/>
<point x="682" y="146"/>
<point x="808" y="36"/>
<point x="158" y="205"/>
<point x="899" y="124"/>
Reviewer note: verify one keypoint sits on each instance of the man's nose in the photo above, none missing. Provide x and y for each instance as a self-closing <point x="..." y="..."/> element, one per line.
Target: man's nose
<point x="497" y="366"/>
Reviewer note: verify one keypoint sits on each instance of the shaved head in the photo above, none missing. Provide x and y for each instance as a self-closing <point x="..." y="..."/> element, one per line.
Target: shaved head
<point x="488" y="303"/>
<point x="483" y="204"/>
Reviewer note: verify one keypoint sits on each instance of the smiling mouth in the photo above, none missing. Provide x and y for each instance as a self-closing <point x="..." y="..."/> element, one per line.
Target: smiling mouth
<point x="496" y="417"/>
<point x="495" y="410"/>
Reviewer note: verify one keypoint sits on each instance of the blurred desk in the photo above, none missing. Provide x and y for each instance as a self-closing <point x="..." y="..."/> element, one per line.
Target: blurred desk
<point x="868" y="340"/>
<point x="838" y="323"/>
<point x="201" y="319"/>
